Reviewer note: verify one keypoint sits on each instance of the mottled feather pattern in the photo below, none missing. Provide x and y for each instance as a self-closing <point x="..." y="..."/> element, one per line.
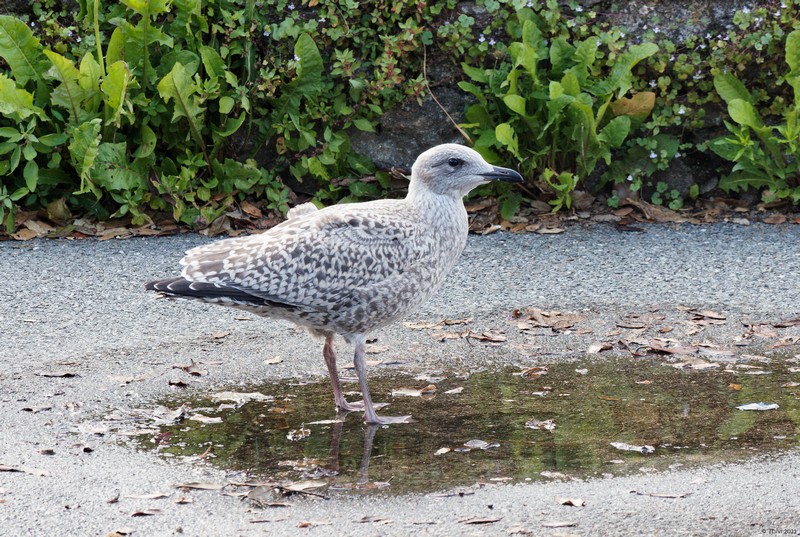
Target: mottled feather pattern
<point x="347" y="269"/>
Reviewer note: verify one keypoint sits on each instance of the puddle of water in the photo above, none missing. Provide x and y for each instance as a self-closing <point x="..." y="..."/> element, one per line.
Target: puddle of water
<point x="689" y="417"/>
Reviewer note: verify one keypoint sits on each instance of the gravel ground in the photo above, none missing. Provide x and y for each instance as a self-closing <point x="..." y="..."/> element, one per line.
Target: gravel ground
<point x="79" y="306"/>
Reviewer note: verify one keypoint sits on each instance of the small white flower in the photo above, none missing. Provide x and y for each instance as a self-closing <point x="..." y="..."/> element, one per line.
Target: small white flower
<point x="657" y="30"/>
<point x="481" y="38"/>
<point x="291" y="7"/>
<point x="78" y="39"/>
<point x="492" y="41"/>
<point x="681" y="110"/>
<point x="678" y="154"/>
<point x="599" y="42"/>
<point x="322" y="20"/>
<point x="529" y="3"/>
<point x="653" y="84"/>
<point x="745" y="10"/>
<point x="578" y="9"/>
<point x="708" y="36"/>
<point x="672" y="58"/>
<point x="266" y="33"/>
<point x="296" y="58"/>
<point x="629" y="178"/>
<point x="69" y="33"/>
<point x="622" y="35"/>
<point x="653" y="154"/>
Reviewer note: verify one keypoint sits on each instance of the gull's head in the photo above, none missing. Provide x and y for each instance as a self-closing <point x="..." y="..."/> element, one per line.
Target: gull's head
<point x="453" y="169"/>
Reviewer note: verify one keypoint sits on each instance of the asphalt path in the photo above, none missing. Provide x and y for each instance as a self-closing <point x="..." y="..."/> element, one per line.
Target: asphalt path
<point x="78" y="306"/>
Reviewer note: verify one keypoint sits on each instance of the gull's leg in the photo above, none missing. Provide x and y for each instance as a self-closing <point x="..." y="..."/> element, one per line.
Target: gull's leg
<point x="370" y="417"/>
<point x="330" y="361"/>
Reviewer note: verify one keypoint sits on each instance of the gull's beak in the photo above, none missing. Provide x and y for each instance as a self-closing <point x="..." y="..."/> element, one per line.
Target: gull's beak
<point x="502" y="174"/>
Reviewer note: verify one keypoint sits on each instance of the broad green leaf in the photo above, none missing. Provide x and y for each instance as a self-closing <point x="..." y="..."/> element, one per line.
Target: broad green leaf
<point x="475" y="73"/>
<point x="69" y="93"/>
<point x="744" y="113"/>
<point x="147" y="7"/>
<point x="11" y="133"/>
<point x="22" y="51"/>
<point x="116" y="47"/>
<point x="570" y="84"/>
<point x="115" y="89"/>
<point x="83" y="152"/>
<point x="586" y="52"/>
<point x="91" y="74"/>
<point x="147" y="142"/>
<point x="114" y="172"/>
<point x="561" y="54"/>
<point x="793" y="51"/>
<point x="729" y="88"/>
<point x="31" y="175"/>
<point x="621" y="77"/>
<point x="231" y="125"/>
<point x="726" y="147"/>
<point x="308" y="82"/>
<point x="742" y="180"/>
<point x="516" y="103"/>
<point x="317" y="169"/>
<point x="505" y="135"/>
<point x="309" y="69"/>
<point x="226" y="104"/>
<point x="793" y="59"/>
<point x="523" y="55"/>
<point x="15" y="102"/>
<point x="177" y="86"/>
<point x="53" y="139"/>
<point x="615" y="131"/>
<point x="187" y="58"/>
<point x="363" y="124"/>
<point x="215" y="67"/>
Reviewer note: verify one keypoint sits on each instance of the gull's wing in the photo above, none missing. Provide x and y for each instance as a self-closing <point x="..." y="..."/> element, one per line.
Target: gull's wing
<point x="310" y="262"/>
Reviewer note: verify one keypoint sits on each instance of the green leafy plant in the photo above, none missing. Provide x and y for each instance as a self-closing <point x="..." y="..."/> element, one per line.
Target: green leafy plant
<point x="764" y="156"/>
<point x="548" y="108"/>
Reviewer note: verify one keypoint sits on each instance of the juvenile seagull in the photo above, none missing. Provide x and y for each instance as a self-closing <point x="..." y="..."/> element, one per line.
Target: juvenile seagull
<point x="347" y="269"/>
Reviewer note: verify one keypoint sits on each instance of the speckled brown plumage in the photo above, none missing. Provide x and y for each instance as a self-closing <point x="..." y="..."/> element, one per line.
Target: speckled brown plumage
<point x="347" y="269"/>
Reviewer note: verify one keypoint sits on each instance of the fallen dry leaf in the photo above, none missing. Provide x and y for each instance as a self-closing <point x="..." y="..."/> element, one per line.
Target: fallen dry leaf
<point x="154" y="496"/>
<point x="532" y="373"/>
<point x="442" y="451"/>
<point x="414" y="392"/>
<point x="598" y="347"/>
<point x="547" y="425"/>
<point x="559" y="524"/>
<point x="644" y="450"/>
<point x="775" y="219"/>
<point x="205" y="419"/>
<point x="146" y="512"/>
<point x="199" y="486"/>
<point x="455" y="391"/>
<point x="787" y="323"/>
<point x="736" y="387"/>
<point x="57" y="374"/>
<point x="478" y="520"/>
<point x="24" y="470"/>
<point x="298" y="434"/>
<point x="192" y="368"/>
<point x="661" y="494"/>
<point x="574" y="502"/>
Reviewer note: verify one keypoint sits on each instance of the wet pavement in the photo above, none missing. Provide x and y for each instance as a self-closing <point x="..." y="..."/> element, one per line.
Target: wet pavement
<point x="643" y="340"/>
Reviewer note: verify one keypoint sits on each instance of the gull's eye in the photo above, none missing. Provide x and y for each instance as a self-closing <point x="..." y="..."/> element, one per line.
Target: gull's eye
<point x="455" y="162"/>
